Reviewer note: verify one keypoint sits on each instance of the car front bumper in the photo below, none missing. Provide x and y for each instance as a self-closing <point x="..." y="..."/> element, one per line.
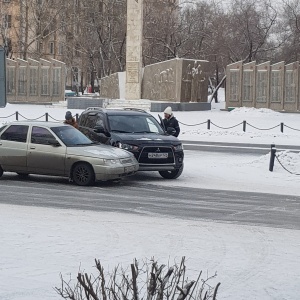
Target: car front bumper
<point x="104" y="173"/>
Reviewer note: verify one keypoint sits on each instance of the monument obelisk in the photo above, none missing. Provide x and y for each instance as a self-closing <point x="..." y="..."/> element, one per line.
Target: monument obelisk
<point x="134" y="49"/>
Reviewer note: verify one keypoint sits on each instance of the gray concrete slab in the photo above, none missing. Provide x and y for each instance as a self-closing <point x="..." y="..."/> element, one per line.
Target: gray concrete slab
<point x="84" y="102"/>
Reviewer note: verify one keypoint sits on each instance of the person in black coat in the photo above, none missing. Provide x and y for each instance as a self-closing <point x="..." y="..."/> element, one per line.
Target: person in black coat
<point x="170" y="121"/>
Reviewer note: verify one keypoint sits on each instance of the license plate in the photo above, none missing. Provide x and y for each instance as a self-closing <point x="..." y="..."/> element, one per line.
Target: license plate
<point x="157" y="155"/>
<point x="129" y="169"/>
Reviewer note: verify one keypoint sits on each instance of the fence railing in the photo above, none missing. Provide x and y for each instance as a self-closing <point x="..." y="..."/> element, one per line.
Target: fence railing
<point x="244" y="126"/>
<point x="208" y="123"/>
<point x="45" y="116"/>
<point x="273" y="155"/>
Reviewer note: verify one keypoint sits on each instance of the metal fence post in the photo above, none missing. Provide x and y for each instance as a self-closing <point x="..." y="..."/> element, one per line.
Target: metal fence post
<point x="208" y="124"/>
<point x="272" y="158"/>
<point x="244" y="126"/>
<point x="281" y="127"/>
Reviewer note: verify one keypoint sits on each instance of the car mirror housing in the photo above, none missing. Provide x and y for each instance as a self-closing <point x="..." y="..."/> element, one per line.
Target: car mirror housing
<point x="53" y="142"/>
<point x="100" y="129"/>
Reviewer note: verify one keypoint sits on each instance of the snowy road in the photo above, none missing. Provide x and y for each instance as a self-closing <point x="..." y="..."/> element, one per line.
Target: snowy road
<point x="163" y="201"/>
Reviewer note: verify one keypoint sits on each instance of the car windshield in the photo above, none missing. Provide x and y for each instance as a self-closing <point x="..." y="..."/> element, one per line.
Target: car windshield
<point x="71" y="137"/>
<point x="134" y="124"/>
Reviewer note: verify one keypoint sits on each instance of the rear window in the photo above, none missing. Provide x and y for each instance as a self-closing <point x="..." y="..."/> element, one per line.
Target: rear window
<point x="16" y="133"/>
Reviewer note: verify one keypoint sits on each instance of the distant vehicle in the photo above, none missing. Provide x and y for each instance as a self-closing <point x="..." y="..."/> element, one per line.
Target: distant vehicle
<point x="138" y="132"/>
<point x="69" y="93"/>
<point x="50" y="148"/>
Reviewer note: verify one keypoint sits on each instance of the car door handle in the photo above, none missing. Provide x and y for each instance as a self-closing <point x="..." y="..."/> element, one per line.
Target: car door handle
<point x="32" y="147"/>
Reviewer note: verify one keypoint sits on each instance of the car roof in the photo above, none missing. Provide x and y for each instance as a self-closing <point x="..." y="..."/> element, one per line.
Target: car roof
<point x="38" y="123"/>
<point x="116" y="111"/>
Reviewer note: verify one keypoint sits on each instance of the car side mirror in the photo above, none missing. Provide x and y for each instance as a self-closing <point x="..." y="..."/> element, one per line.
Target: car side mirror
<point x="53" y="142"/>
<point x="171" y="131"/>
<point x="100" y="129"/>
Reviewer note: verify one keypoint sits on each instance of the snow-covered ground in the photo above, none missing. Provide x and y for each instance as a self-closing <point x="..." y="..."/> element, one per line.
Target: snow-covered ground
<point x="252" y="262"/>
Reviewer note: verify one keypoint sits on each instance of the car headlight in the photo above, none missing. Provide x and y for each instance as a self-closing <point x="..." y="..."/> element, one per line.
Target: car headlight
<point x="111" y="161"/>
<point x="178" y="147"/>
<point x="128" y="147"/>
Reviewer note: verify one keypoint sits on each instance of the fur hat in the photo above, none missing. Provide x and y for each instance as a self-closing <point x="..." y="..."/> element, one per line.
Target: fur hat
<point x="168" y="111"/>
<point x="68" y="115"/>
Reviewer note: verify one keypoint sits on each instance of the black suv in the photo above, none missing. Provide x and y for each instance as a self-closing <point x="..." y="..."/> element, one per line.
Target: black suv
<point x="138" y="132"/>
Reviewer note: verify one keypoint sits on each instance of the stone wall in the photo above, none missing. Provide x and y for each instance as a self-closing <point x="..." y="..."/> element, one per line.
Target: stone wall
<point x="110" y="86"/>
<point x="35" y="81"/>
<point x="176" y="80"/>
<point x="263" y="86"/>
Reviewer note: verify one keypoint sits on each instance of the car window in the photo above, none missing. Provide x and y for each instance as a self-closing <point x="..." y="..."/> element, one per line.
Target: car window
<point x="82" y="119"/>
<point x="16" y="133"/>
<point x="1" y="128"/>
<point x="91" y="121"/>
<point x="40" y="135"/>
<point x="134" y="124"/>
<point x="152" y="126"/>
<point x="100" y="120"/>
<point x="71" y="137"/>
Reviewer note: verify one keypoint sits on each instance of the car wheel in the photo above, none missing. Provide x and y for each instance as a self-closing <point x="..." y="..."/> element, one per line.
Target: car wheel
<point x="23" y="174"/>
<point x="171" y="174"/>
<point x="83" y="174"/>
<point x="1" y="171"/>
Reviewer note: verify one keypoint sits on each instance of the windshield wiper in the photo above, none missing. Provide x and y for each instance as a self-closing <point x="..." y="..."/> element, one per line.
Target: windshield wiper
<point x="84" y="144"/>
<point x="121" y="131"/>
<point x="145" y="131"/>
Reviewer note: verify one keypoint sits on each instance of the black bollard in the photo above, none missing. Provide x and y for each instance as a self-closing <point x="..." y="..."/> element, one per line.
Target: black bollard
<point x="244" y="126"/>
<point x="208" y="124"/>
<point x="272" y="158"/>
<point x="47" y="117"/>
<point x="281" y="127"/>
<point x="17" y="116"/>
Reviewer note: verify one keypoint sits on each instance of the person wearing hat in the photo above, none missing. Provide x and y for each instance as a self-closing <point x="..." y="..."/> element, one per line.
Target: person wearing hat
<point x="70" y="120"/>
<point x="170" y="121"/>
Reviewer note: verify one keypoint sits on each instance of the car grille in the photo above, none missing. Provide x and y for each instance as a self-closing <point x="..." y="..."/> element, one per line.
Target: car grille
<point x="145" y="159"/>
<point x="126" y="161"/>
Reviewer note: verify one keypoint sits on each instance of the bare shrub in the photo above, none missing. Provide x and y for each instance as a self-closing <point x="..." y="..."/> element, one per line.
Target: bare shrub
<point x="143" y="280"/>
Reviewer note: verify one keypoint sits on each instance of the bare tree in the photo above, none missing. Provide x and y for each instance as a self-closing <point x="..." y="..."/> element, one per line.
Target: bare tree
<point x="290" y="31"/>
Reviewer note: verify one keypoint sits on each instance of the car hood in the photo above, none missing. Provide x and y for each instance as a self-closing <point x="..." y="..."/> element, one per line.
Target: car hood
<point x="145" y="138"/>
<point x="99" y="151"/>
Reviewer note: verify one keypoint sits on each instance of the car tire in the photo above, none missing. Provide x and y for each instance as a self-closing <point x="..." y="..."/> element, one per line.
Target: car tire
<point x="1" y="171"/>
<point x="83" y="174"/>
<point x="171" y="174"/>
<point x="23" y="174"/>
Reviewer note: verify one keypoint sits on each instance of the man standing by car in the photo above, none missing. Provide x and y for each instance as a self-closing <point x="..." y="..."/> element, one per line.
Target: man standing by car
<point x="170" y="121"/>
<point x="70" y="120"/>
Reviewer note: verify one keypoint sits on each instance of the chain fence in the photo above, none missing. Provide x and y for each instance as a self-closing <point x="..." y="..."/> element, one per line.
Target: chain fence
<point x="286" y="169"/>
<point x="274" y="156"/>
<point x="209" y="123"/>
<point x="244" y="127"/>
<point x="44" y="117"/>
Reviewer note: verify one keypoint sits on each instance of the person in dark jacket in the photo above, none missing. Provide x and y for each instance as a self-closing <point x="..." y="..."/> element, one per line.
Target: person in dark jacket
<point x="170" y="121"/>
<point x="70" y="120"/>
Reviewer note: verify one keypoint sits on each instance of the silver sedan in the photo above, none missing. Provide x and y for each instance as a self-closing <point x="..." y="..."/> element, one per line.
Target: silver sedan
<point x="55" y="149"/>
